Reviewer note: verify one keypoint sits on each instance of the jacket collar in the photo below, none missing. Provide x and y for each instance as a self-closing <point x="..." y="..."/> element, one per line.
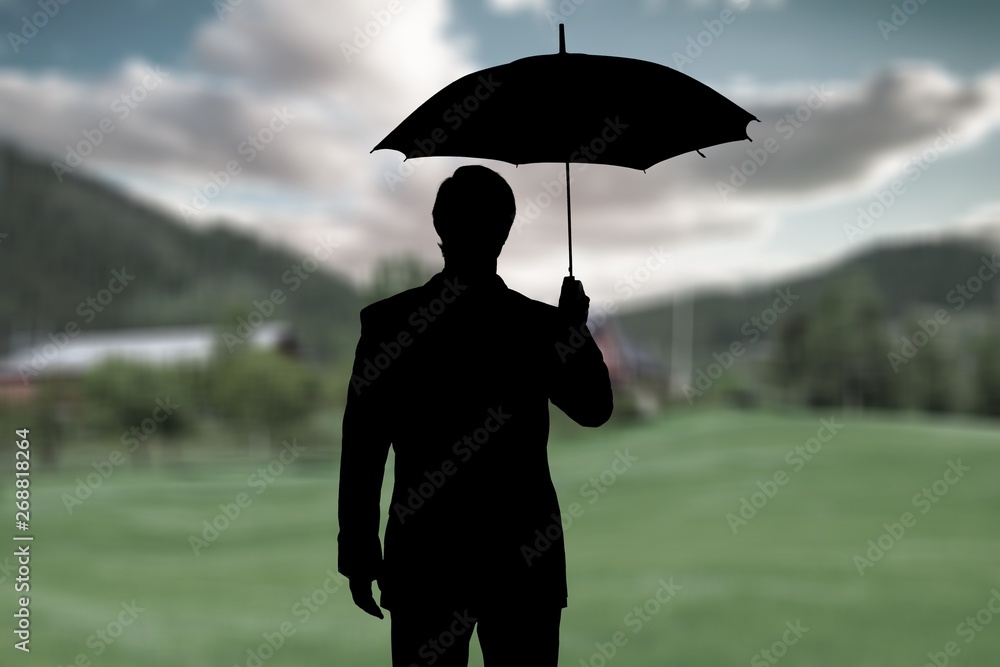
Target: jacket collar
<point x="491" y="281"/>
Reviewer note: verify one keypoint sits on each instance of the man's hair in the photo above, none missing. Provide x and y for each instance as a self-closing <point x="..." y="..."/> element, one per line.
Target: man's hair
<point x="474" y="211"/>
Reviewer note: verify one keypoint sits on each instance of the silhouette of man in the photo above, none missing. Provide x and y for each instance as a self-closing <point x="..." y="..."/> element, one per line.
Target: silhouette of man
<point x="457" y="376"/>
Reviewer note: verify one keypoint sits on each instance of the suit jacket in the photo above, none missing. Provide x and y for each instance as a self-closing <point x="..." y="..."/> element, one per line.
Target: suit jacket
<point x="457" y="376"/>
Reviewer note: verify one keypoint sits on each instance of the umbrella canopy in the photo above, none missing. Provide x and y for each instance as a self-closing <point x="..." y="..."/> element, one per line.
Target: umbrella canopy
<point x="571" y="107"/>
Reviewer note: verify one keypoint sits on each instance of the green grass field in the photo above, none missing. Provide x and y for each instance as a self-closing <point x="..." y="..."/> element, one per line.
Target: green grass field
<point x="663" y="517"/>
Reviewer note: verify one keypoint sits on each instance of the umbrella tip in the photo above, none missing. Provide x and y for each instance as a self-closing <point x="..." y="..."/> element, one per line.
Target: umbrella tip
<point x="562" y="38"/>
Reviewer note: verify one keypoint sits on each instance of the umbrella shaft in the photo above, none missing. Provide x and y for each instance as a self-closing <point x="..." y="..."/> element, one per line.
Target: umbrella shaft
<point x="569" y="223"/>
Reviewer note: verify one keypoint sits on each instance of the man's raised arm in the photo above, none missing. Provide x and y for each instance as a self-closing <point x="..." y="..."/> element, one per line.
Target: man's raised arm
<point x="581" y="385"/>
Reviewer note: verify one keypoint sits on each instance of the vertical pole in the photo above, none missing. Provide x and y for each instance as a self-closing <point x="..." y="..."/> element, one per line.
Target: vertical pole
<point x="682" y="343"/>
<point x="562" y="38"/>
<point x="569" y="223"/>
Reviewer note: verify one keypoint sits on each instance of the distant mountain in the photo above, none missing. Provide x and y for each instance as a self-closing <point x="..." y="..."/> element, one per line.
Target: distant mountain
<point x="65" y="241"/>
<point x="61" y="242"/>
<point x="906" y="276"/>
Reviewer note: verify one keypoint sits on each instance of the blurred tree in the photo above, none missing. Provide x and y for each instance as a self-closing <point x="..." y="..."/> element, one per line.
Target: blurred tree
<point x="137" y="402"/>
<point x="337" y="383"/>
<point x="789" y="361"/>
<point x="394" y="274"/>
<point x="50" y="410"/>
<point x="183" y="386"/>
<point x="842" y="347"/>
<point x="926" y="379"/>
<point x="987" y="378"/>
<point x="118" y="394"/>
<point x="934" y="379"/>
<point x="737" y="389"/>
<point x="261" y="392"/>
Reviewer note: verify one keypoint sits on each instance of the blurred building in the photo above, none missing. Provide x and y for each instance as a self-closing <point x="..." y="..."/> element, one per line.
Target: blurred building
<point x="44" y="360"/>
<point x="635" y="372"/>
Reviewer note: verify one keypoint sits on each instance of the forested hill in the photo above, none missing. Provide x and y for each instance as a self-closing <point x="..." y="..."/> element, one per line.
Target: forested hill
<point x="904" y="278"/>
<point x="62" y="240"/>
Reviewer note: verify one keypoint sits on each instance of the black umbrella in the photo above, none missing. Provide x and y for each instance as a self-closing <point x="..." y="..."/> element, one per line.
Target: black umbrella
<point x="571" y="107"/>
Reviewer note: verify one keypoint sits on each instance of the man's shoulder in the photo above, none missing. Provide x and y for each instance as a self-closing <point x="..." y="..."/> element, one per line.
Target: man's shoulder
<point x="392" y="306"/>
<point x="530" y="305"/>
<point x="409" y="301"/>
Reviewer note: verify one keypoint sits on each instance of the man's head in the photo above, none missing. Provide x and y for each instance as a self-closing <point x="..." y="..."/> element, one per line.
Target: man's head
<point x="473" y="214"/>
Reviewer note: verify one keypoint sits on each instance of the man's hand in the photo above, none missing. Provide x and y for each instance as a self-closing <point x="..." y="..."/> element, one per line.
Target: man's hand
<point x="574" y="304"/>
<point x="361" y="591"/>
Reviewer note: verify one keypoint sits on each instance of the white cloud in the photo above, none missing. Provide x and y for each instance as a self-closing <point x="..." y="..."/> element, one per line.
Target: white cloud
<point x="344" y="101"/>
<point x="511" y="6"/>
<point x="982" y="221"/>
<point x="859" y="138"/>
<point x="653" y="6"/>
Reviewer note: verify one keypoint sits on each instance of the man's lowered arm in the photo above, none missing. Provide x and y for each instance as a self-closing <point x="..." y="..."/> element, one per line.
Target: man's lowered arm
<point x="364" y="449"/>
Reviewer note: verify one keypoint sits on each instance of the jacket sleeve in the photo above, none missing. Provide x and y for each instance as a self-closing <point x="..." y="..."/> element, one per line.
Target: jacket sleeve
<point x="581" y="385"/>
<point x="364" y="449"/>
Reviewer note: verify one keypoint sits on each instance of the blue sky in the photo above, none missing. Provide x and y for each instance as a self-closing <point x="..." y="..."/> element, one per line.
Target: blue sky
<point x="774" y="42"/>
<point x="228" y="73"/>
